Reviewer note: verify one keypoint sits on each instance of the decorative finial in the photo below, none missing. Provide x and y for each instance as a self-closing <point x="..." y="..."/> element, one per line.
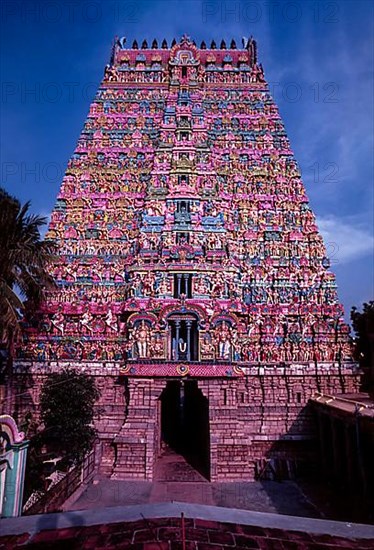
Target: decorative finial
<point x="252" y="48"/>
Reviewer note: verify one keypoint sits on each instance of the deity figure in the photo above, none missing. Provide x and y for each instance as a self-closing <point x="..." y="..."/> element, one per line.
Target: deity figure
<point x="110" y="73"/>
<point x="111" y="320"/>
<point x="207" y="347"/>
<point x="345" y="352"/>
<point x="58" y="321"/>
<point x="141" y="335"/>
<point x="86" y="321"/>
<point x="164" y="285"/>
<point x="157" y="346"/>
<point x="201" y="285"/>
<point x="223" y="338"/>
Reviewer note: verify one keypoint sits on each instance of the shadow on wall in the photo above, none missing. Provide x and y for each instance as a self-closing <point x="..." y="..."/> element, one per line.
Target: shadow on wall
<point x="53" y="521"/>
<point x="319" y="470"/>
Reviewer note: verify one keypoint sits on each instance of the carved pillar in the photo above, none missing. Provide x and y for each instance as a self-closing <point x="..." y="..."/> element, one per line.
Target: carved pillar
<point x="179" y="282"/>
<point x="188" y="324"/>
<point x="185" y="278"/>
<point x="177" y="328"/>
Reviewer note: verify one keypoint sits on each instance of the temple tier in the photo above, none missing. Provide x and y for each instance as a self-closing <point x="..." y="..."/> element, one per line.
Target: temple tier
<point x="189" y="258"/>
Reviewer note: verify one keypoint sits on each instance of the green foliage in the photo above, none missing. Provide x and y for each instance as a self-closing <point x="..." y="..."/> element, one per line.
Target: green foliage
<point x="34" y="474"/>
<point x="67" y="410"/>
<point x="363" y="325"/>
<point x="23" y="258"/>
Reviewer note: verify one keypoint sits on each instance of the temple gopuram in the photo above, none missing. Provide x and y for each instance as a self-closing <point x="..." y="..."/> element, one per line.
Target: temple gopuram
<point x="191" y="278"/>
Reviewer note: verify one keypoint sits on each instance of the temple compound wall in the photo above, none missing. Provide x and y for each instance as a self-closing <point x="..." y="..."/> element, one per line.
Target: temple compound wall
<point x="259" y="425"/>
<point x="191" y="277"/>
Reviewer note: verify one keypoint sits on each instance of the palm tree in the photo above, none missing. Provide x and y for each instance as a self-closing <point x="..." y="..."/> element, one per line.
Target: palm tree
<point x="23" y="260"/>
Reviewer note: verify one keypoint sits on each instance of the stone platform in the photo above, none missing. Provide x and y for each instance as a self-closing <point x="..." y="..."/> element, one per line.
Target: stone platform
<point x="176" y="481"/>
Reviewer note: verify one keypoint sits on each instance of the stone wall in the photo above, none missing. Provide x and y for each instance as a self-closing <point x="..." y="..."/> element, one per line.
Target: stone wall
<point x="162" y="527"/>
<point x="259" y="424"/>
<point x="346" y="449"/>
<point x="54" y="498"/>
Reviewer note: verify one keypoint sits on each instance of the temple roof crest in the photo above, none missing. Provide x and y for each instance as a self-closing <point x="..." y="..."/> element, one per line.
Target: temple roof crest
<point x="184" y="53"/>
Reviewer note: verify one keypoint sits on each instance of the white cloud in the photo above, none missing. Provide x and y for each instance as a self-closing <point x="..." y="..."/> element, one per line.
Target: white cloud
<point x="345" y="240"/>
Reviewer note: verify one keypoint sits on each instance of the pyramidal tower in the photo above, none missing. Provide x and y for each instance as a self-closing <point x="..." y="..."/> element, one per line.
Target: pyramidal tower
<point x="192" y="280"/>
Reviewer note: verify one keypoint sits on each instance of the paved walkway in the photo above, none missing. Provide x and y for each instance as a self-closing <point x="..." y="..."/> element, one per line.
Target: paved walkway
<point x="176" y="481"/>
<point x="174" y="467"/>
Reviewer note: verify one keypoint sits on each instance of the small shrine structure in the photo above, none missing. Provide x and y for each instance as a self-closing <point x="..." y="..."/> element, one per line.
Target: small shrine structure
<point x="13" y="452"/>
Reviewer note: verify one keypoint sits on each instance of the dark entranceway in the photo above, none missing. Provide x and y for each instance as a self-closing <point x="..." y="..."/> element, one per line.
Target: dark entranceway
<point x="185" y="423"/>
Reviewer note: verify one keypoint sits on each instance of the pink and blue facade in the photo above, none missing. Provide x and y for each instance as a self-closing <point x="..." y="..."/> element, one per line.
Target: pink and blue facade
<point x="189" y="256"/>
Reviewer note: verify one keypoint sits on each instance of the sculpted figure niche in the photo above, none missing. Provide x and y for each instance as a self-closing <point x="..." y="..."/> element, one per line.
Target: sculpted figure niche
<point x="142" y="337"/>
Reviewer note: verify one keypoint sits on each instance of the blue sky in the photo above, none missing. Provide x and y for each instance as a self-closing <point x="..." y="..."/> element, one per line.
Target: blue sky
<point x="318" y="59"/>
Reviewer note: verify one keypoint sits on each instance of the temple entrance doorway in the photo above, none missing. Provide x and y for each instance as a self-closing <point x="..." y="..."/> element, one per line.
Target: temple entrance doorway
<point x="185" y="429"/>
